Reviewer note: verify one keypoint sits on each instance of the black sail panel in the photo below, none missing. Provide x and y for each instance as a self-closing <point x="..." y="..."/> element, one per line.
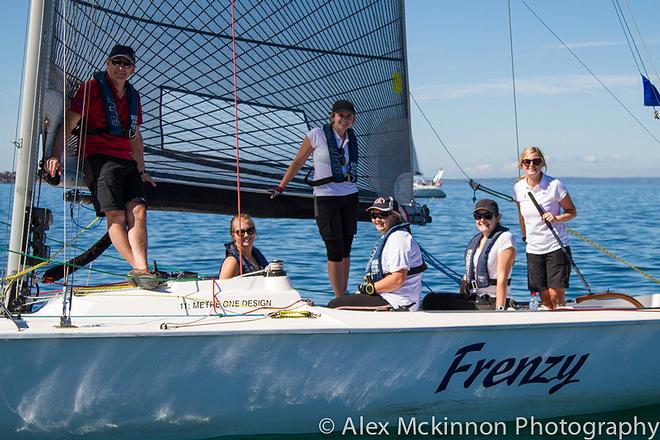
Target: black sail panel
<point x="293" y="59"/>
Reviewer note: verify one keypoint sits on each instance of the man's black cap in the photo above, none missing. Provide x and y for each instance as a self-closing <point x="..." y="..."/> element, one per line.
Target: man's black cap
<point x="122" y="51"/>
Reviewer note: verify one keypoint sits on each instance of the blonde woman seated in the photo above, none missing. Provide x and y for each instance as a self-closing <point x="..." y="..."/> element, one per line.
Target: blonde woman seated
<point x="241" y="248"/>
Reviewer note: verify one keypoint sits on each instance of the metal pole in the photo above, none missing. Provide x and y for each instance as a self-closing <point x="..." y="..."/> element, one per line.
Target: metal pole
<point x="28" y="142"/>
<point x="563" y="248"/>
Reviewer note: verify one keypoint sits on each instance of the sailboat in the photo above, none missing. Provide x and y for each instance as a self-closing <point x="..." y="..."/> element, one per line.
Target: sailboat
<point x="429" y="188"/>
<point x="205" y="357"/>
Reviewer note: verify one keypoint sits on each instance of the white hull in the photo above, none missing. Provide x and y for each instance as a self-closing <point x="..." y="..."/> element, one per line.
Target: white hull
<point x="120" y="375"/>
<point x="428" y="192"/>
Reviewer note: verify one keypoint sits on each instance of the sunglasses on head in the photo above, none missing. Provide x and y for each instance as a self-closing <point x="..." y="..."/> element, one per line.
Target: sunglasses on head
<point x="248" y="231"/>
<point x="482" y="215"/>
<point x="380" y="215"/>
<point x="121" y="63"/>
<point x="528" y="162"/>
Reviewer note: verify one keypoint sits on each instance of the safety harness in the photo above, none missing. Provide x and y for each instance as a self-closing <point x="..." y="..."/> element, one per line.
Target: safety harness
<point x="478" y="276"/>
<point x="374" y="267"/>
<point x="338" y="174"/>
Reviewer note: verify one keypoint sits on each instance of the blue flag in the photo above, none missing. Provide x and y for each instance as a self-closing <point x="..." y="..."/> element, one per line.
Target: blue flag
<point x="651" y="95"/>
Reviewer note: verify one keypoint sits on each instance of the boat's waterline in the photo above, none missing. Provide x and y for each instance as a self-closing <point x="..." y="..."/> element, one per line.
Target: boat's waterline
<point x="257" y="374"/>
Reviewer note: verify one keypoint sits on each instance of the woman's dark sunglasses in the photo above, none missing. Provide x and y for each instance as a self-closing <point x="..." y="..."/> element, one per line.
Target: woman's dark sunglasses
<point x="528" y="162"/>
<point x="381" y="215"/>
<point x="248" y="231"/>
<point x="480" y="215"/>
<point x="121" y="63"/>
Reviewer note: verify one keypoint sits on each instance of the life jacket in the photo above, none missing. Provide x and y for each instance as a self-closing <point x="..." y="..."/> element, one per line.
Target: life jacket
<point x="478" y="277"/>
<point x="374" y="267"/>
<point x="246" y="265"/>
<point x="338" y="174"/>
<point x="112" y="115"/>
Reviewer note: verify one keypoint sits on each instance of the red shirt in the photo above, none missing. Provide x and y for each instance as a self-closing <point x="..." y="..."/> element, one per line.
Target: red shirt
<point x="88" y="102"/>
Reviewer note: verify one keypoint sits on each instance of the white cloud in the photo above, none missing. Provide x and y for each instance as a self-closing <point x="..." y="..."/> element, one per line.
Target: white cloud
<point x="587" y="44"/>
<point x="532" y="86"/>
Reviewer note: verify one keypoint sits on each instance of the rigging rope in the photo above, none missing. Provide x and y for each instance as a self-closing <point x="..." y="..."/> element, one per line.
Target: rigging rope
<point x="439" y="138"/>
<point x="646" y="49"/>
<point x="606" y="252"/>
<point x="238" y="161"/>
<point x="630" y="113"/>
<point x="513" y="85"/>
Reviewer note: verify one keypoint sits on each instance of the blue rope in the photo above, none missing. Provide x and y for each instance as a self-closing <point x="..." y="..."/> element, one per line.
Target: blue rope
<point x="439" y="265"/>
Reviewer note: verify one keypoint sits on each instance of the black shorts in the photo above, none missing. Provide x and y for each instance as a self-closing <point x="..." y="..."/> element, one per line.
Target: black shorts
<point x="113" y="182"/>
<point x="548" y="271"/>
<point x="336" y="216"/>
<point x="358" y="300"/>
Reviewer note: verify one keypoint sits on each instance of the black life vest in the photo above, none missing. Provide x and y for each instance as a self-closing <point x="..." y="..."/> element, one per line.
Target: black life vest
<point x="374" y="267"/>
<point x="478" y="277"/>
<point x="246" y="265"/>
<point x="112" y="115"/>
<point x="338" y="174"/>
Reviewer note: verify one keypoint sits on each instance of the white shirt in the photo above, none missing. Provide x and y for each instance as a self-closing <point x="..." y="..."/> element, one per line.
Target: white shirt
<point x="322" y="168"/>
<point x="548" y="193"/>
<point x="401" y="251"/>
<point x="504" y="241"/>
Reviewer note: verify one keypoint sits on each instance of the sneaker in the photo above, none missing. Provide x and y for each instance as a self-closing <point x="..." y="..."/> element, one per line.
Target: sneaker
<point x="143" y="278"/>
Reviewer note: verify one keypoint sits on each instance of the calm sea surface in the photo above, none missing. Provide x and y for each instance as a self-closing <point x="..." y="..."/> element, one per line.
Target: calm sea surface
<point x="618" y="214"/>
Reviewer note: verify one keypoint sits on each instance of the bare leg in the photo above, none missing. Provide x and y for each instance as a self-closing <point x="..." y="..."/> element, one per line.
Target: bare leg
<point x="118" y="235"/>
<point x="346" y="262"/>
<point x="336" y="275"/>
<point x="136" y="219"/>
<point x="546" y="299"/>
<point x="557" y="296"/>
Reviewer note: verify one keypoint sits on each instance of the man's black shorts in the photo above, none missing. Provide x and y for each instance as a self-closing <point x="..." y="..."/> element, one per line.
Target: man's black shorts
<point x="113" y="182"/>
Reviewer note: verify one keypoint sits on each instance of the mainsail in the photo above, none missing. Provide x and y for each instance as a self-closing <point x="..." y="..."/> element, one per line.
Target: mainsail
<point x="293" y="59"/>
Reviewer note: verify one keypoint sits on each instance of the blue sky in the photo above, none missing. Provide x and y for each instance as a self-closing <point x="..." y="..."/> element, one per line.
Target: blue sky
<point x="460" y="74"/>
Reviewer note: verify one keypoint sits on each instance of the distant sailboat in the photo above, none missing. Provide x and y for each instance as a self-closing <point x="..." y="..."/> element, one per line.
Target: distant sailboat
<point x="423" y="187"/>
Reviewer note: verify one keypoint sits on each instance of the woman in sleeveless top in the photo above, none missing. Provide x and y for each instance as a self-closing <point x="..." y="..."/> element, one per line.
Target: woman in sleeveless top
<point x="243" y="234"/>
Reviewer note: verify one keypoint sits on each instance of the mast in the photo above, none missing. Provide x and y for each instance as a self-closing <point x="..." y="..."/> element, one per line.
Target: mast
<point x="406" y="101"/>
<point x="28" y="141"/>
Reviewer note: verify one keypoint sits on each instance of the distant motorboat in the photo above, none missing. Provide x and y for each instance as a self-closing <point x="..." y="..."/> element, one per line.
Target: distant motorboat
<point x="429" y="188"/>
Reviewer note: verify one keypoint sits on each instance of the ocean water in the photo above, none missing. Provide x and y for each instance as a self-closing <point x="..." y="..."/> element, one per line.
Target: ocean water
<point x="617" y="214"/>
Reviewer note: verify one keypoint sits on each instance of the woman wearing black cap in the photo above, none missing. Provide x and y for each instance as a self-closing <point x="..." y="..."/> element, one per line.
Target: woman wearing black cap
<point x="334" y="151"/>
<point x="394" y="272"/>
<point x="489" y="258"/>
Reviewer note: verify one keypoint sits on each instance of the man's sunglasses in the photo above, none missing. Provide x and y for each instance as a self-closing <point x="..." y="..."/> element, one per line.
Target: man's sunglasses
<point x="121" y="63"/>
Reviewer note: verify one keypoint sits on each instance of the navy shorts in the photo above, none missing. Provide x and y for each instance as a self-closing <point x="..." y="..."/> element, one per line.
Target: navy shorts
<point x="548" y="271"/>
<point x="113" y="182"/>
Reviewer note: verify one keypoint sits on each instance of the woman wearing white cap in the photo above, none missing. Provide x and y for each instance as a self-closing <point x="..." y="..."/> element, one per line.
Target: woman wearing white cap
<point x="334" y="150"/>
<point x="489" y="258"/>
<point x="394" y="272"/>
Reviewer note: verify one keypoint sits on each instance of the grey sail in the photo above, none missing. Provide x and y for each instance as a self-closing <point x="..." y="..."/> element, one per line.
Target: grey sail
<point x="293" y="59"/>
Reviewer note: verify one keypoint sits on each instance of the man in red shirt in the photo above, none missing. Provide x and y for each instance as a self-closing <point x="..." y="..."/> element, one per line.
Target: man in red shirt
<point x="108" y="112"/>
